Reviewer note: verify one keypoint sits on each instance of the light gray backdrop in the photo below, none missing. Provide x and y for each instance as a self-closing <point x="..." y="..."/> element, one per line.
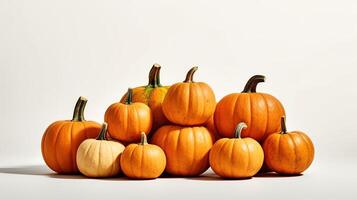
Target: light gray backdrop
<point x="51" y="52"/>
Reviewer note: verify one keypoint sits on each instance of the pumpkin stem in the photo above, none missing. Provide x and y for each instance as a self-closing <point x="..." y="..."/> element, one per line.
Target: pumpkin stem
<point x="283" y="125"/>
<point x="103" y="132"/>
<point x="239" y="129"/>
<point x="129" y="97"/>
<point x="78" y="113"/>
<point x="189" y="76"/>
<point x="154" y="76"/>
<point x="143" y="140"/>
<point x="251" y="85"/>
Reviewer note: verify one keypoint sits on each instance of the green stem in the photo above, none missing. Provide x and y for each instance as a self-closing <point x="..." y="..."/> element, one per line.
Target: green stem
<point x="103" y="132"/>
<point x="189" y="75"/>
<point x="251" y="85"/>
<point x="239" y="129"/>
<point x="283" y="125"/>
<point x="143" y="140"/>
<point x="78" y="113"/>
<point x="129" y="97"/>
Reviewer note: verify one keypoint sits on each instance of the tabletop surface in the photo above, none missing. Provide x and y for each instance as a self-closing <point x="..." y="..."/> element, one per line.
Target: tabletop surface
<point x="323" y="181"/>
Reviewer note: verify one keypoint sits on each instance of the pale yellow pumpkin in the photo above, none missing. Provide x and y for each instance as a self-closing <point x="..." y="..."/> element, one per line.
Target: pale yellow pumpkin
<point x="99" y="157"/>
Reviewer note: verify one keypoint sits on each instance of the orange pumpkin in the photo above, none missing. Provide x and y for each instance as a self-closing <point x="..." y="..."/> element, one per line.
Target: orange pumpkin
<point x="261" y="112"/>
<point x="236" y="157"/>
<point x="186" y="149"/>
<point x="127" y="120"/>
<point x="189" y="103"/>
<point x="62" y="138"/>
<point x="152" y="95"/>
<point x="143" y="160"/>
<point x="288" y="153"/>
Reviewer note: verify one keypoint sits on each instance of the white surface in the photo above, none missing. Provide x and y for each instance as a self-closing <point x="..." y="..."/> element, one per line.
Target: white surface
<point x="37" y="182"/>
<point x="51" y="52"/>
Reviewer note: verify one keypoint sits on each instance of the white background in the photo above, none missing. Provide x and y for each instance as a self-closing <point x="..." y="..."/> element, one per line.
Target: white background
<point x="51" y="52"/>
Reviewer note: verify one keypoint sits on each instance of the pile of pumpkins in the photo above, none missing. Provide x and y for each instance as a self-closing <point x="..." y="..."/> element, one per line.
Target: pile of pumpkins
<point x="242" y="134"/>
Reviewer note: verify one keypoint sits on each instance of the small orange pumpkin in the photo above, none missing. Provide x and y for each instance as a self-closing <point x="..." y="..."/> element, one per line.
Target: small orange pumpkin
<point x="143" y="160"/>
<point x="186" y="148"/>
<point x="288" y="153"/>
<point x="127" y="120"/>
<point x="189" y="103"/>
<point x="261" y="112"/>
<point x="236" y="157"/>
<point x="152" y="95"/>
<point x="62" y="138"/>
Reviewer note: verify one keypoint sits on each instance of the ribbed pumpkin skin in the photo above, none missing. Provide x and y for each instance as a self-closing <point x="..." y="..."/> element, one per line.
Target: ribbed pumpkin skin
<point x="153" y="97"/>
<point x="189" y="103"/>
<point x="186" y="148"/>
<point x="143" y="161"/>
<point x="99" y="158"/>
<point x="127" y="121"/>
<point x="261" y="112"/>
<point x="60" y="143"/>
<point x="290" y="153"/>
<point x="236" y="158"/>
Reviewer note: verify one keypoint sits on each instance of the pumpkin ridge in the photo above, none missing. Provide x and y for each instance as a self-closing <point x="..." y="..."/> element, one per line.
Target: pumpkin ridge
<point x="194" y="150"/>
<point x="111" y="153"/>
<point x="234" y="109"/>
<point x="58" y="132"/>
<point x="142" y="164"/>
<point x="230" y="155"/>
<point x="177" y="144"/>
<point x="137" y="119"/>
<point x="73" y="156"/>
<point x="202" y="110"/>
<point x="267" y="116"/>
<point x="251" y="115"/>
<point x="309" y="160"/>
<point x="279" y="148"/>
<point x="249" y="161"/>
<point x="294" y="147"/>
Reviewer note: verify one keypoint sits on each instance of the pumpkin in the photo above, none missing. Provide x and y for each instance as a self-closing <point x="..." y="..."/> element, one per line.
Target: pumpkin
<point x="152" y="95"/>
<point x="189" y="103"/>
<point x="236" y="157"/>
<point x="143" y="160"/>
<point x="99" y="157"/>
<point x="61" y="140"/>
<point x="261" y="112"/>
<point x="288" y="153"/>
<point x="127" y="120"/>
<point x="186" y="148"/>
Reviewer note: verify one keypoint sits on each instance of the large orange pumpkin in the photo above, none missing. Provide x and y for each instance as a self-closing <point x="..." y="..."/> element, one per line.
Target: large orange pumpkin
<point x="261" y="112"/>
<point x="186" y="148"/>
<point x="143" y="160"/>
<point x="152" y="95"/>
<point x="288" y="153"/>
<point x="62" y="138"/>
<point x="189" y="103"/>
<point x="127" y="120"/>
<point x="236" y="157"/>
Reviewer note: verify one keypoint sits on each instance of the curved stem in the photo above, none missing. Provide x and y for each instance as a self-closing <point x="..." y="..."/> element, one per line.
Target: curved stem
<point x="129" y="97"/>
<point x="252" y="83"/>
<point x="103" y="132"/>
<point x="143" y="140"/>
<point x="283" y="125"/>
<point x="239" y="129"/>
<point x="189" y="75"/>
<point x="78" y="113"/>
<point x="154" y="76"/>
